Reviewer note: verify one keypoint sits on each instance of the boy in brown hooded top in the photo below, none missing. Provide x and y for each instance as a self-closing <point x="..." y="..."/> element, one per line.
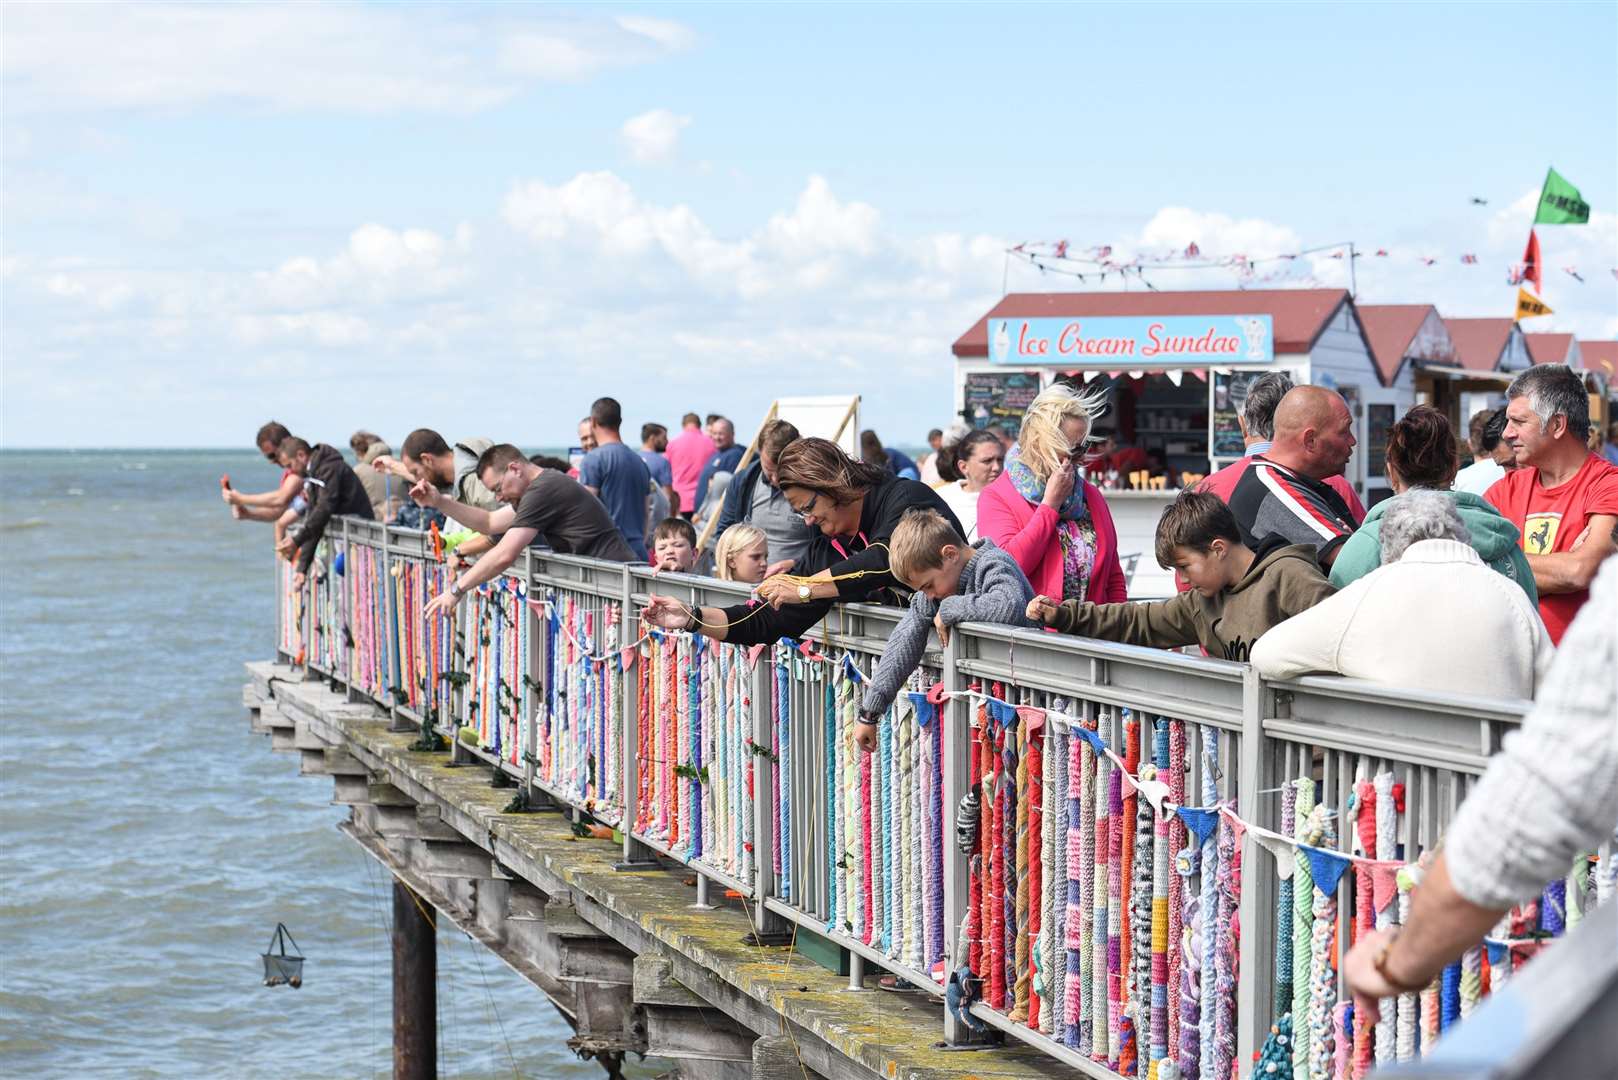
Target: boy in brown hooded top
<point x="1236" y="593"/>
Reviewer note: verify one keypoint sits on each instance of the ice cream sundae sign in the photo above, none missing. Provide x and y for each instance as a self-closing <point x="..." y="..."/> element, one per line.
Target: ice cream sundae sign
<point x="1202" y="340"/>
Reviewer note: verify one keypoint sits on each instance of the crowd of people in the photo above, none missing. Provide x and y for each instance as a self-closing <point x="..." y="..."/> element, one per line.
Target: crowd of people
<point x="1467" y="580"/>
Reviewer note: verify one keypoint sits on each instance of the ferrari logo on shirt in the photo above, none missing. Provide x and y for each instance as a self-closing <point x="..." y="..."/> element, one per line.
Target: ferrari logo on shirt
<point x="1539" y="533"/>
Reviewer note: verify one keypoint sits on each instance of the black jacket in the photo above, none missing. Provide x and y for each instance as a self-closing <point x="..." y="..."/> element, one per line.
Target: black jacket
<point x="333" y="488"/>
<point x="867" y="551"/>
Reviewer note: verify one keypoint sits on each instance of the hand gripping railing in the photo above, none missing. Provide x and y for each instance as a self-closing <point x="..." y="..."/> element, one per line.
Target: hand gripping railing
<point x="1117" y="855"/>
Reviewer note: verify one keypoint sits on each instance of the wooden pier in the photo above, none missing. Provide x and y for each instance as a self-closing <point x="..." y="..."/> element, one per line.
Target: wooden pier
<point x="626" y="954"/>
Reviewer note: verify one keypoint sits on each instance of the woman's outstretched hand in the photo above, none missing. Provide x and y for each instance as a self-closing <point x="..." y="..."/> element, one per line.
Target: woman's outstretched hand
<point x="665" y="613"/>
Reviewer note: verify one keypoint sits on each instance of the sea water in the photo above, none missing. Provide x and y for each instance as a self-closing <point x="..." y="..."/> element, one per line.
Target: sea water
<point x="149" y="842"/>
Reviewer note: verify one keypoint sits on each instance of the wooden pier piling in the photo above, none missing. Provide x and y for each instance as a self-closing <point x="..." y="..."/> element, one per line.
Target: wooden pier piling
<point x="415" y="986"/>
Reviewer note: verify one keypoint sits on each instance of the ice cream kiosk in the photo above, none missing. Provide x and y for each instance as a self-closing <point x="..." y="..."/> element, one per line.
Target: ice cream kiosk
<point x="1176" y="367"/>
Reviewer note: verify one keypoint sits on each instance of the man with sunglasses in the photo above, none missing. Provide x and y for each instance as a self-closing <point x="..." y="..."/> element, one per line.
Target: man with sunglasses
<point x="265" y="505"/>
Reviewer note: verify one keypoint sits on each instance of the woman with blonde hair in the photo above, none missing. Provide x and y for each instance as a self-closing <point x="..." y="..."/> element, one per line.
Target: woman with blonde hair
<point x="1044" y="514"/>
<point x="742" y="554"/>
<point x="856" y="507"/>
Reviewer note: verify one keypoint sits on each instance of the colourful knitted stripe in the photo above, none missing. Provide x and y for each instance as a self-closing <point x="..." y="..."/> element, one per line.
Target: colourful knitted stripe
<point x="1227" y="947"/>
<point x="1282" y="1002"/>
<point x="1303" y="918"/>
<point x="1115" y="887"/>
<point x="1029" y="884"/>
<point x="1208" y="907"/>
<point x="1140" y="922"/>
<point x="1101" y="921"/>
<point x="1081" y="875"/>
<point x="1405" y="1023"/>
<point x="1176" y="843"/>
<point x="974" y="862"/>
<point x="933" y="754"/>
<point x="1364" y="912"/>
<point x="1053" y="879"/>
<point x="1127" y="887"/>
<point x="780" y="783"/>
<point x="1008" y="837"/>
<point x="1160" y="907"/>
<point x="1319" y="832"/>
<point x="998" y="880"/>
<point x="1449" y="996"/>
<point x="1019" y="975"/>
<point x="1387" y="828"/>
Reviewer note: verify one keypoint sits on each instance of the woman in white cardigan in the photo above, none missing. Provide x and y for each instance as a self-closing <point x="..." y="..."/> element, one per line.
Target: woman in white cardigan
<point x="1433" y="616"/>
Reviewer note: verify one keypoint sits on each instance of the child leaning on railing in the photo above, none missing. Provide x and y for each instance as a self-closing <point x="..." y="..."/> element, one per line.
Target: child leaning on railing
<point x="954" y="583"/>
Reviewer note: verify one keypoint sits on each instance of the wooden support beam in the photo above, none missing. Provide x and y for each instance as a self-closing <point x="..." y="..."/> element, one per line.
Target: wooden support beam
<point x="415" y="986"/>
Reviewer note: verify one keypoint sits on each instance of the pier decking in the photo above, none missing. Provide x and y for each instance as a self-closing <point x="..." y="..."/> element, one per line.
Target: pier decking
<point x="623" y="953"/>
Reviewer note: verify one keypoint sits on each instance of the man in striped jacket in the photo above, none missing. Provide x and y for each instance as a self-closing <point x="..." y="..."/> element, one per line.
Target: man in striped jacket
<point x="1284" y="492"/>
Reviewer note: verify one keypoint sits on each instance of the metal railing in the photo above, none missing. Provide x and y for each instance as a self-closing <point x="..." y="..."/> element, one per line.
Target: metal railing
<point x="1115" y="895"/>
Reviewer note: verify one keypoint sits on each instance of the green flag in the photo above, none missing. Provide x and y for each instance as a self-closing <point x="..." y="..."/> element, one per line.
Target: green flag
<point x="1560" y="203"/>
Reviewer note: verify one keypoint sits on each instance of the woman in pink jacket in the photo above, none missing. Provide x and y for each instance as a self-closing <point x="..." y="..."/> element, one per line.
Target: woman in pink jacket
<point x="1044" y="514"/>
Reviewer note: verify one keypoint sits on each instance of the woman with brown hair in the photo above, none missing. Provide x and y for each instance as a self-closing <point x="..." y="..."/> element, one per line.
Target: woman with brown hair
<point x="856" y="507"/>
<point x="1421" y="456"/>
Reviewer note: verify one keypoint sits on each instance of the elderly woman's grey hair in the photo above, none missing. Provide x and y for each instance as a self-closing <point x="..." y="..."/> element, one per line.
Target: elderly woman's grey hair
<point x="1420" y="514"/>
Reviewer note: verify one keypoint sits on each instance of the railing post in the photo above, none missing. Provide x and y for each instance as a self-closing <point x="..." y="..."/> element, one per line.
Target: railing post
<point x="636" y="856"/>
<point x="534" y="689"/>
<point x="1255" y="983"/>
<point x="768" y="927"/>
<point x="956" y="717"/>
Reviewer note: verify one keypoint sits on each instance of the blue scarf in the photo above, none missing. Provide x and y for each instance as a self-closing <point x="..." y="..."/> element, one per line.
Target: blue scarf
<point x="1031" y="488"/>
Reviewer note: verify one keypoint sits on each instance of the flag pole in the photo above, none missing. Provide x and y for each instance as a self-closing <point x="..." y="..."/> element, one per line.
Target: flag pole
<point x="1353" y="287"/>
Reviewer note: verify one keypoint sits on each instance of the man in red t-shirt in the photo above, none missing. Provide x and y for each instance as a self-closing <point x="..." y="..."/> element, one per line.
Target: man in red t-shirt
<point x="1562" y="498"/>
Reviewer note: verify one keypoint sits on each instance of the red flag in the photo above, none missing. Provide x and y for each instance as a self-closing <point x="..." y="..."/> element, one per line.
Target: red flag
<point x="1382" y="253"/>
<point x="1469" y="259"/>
<point x="1061" y="249"/>
<point x="1192" y="251"/>
<point x="1530" y="259"/>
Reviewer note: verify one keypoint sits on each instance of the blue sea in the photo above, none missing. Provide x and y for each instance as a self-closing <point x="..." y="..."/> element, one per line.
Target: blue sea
<point x="150" y="842"/>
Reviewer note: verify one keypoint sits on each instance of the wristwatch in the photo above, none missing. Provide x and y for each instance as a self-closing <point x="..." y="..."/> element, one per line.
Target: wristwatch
<point x="803" y="594"/>
<point x="455" y="590"/>
<point x="692" y="621"/>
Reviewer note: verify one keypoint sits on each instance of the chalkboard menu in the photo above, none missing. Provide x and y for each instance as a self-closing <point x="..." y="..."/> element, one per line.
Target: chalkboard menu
<point x="1379" y="419"/>
<point x="1229" y="395"/>
<point x="999" y="395"/>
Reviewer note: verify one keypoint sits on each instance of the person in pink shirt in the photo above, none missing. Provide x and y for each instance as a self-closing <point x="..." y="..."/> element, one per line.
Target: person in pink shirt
<point x="1045" y="515"/>
<point x="688" y="452"/>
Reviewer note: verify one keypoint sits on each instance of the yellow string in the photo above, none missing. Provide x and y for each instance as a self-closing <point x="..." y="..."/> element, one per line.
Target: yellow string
<point x="695" y="614"/>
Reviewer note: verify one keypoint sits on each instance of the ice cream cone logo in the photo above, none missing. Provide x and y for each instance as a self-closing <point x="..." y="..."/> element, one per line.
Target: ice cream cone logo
<point x="1002" y="340"/>
<point x="1254" y="330"/>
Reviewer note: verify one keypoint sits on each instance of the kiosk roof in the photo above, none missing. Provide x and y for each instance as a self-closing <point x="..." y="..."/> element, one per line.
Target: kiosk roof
<point x="1480" y="344"/>
<point x="1390" y="328"/>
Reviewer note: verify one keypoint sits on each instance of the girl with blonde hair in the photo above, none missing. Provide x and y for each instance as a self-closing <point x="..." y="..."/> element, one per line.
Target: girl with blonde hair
<point x="1044" y="513"/>
<point x="742" y="554"/>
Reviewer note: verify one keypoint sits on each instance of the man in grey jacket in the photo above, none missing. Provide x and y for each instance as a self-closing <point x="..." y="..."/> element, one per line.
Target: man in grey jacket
<point x="953" y="583"/>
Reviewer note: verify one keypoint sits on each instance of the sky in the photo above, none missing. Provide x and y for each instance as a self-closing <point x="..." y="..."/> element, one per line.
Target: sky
<point x="479" y="218"/>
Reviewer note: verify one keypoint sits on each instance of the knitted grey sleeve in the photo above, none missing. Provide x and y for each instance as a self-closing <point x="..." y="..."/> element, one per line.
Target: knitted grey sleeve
<point x="900" y="657"/>
<point x="999" y="593"/>
<point x="1552" y="792"/>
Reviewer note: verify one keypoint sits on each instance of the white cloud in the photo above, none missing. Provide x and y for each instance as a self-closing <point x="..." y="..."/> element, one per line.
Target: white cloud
<point x="345" y="57"/>
<point x="652" y="136"/>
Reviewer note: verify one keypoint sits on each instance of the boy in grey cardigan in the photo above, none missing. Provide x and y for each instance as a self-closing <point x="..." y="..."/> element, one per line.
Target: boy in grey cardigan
<point x="953" y="583"/>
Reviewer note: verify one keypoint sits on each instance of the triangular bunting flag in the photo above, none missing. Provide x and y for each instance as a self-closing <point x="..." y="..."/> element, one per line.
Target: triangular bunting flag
<point x="752" y="654"/>
<point x="1326" y="866"/>
<point x="1530" y="263"/>
<point x="851" y="670"/>
<point x="1002" y="713"/>
<point x="1154" y="791"/>
<point x="926" y="711"/>
<point x="1498" y="950"/>
<point x="1201" y="822"/>
<point x="1530" y="306"/>
<point x="1560" y="203"/>
<point x="1033" y="719"/>
<point x="1384" y="885"/>
<point x="1099" y="747"/>
<point x="1278" y="846"/>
